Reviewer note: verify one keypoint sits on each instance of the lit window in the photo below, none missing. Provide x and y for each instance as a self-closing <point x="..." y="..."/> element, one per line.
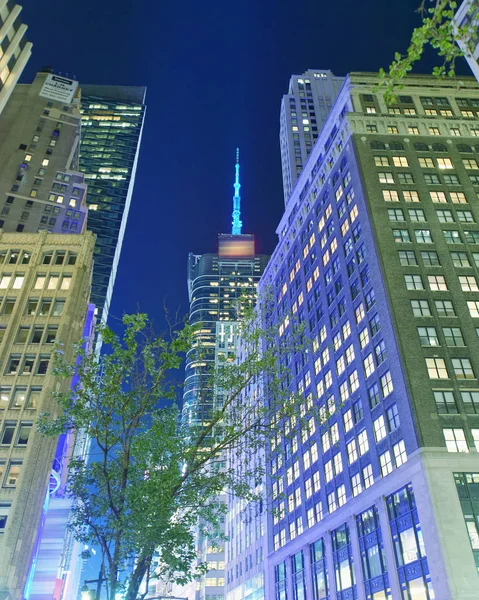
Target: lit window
<point x="437" y="283"/>
<point x="445" y="163"/>
<point x="385" y="463"/>
<point x="399" y="451"/>
<point x="455" y="440"/>
<point x="363" y="443"/>
<point x="436" y="368"/>
<point x="468" y="283"/>
<point x="368" y="476"/>
<point x="390" y="196"/>
<point x="379" y="426"/>
<point x="400" y="161"/>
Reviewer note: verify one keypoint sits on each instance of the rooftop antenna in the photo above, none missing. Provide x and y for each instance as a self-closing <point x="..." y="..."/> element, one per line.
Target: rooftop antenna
<point x="237" y="224"/>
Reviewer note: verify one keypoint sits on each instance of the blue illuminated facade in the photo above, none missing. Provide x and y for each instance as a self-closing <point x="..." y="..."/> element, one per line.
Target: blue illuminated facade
<point x="377" y="258"/>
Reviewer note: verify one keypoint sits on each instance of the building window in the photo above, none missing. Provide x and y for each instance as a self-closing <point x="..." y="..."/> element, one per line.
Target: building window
<point x="460" y="259"/>
<point x="410" y="196"/>
<point x="428" y="336"/>
<point x="393" y="417"/>
<point x="445" y="402"/>
<point x="385" y="463"/>
<point x="390" y="196"/>
<point x="462" y="368"/>
<point x="399" y="451"/>
<point x="372" y="552"/>
<point x="379" y="427"/>
<point x="413" y="282"/>
<point x="401" y="236"/>
<point x="423" y="236"/>
<point x="468" y="283"/>
<point x="408" y="545"/>
<point x="420" y="308"/>
<point x="299" y="583"/>
<point x="455" y="440"/>
<point x="343" y="559"/>
<point x="281" y="587"/>
<point x="407" y="258"/>
<point x="436" y="368"/>
<point x="467" y="485"/>
<point x="453" y="336"/>
<point x="319" y="570"/>
<point x="386" y="384"/>
<point x="470" y="399"/>
<point x="437" y="283"/>
<point x="445" y="308"/>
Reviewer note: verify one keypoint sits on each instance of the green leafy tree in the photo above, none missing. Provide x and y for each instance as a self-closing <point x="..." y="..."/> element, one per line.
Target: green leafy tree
<point x="438" y="31"/>
<point x="151" y="479"/>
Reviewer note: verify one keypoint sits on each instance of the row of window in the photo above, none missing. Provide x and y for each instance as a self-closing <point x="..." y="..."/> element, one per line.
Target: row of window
<point x="16" y="433"/>
<point x="444" y="308"/>
<point x="28" y="364"/>
<point x="437" y="283"/>
<point x="430" y="258"/>
<point x="42" y="281"/>
<point x="410" y="556"/>
<point x="19" y="397"/>
<point x="421" y="236"/>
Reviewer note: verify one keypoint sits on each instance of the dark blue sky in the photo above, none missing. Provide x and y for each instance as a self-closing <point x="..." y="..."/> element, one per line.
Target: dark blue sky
<point x="215" y="73"/>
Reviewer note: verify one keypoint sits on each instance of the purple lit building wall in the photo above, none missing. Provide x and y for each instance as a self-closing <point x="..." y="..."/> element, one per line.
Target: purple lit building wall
<point x="376" y="496"/>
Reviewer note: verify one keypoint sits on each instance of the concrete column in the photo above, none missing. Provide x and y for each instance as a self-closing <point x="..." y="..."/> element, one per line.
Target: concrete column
<point x="388" y="548"/>
<point x="357" y="562"/>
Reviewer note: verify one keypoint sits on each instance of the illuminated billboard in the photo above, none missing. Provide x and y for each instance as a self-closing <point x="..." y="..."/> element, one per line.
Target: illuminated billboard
<point x="236" y="246"/>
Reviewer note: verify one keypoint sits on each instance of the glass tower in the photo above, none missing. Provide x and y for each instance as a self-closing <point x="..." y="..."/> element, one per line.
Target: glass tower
<point x="376" y="494"/>
<point x="219" y="286"/>
<point x="112" y="122"/>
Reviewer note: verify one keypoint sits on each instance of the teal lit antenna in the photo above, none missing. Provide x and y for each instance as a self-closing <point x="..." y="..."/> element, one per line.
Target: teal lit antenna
<point x="237" y="224"/>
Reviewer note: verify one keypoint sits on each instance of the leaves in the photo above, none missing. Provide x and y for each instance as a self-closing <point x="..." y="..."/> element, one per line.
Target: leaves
<point x="439" y="32"/>
<point x="152" y="479"/>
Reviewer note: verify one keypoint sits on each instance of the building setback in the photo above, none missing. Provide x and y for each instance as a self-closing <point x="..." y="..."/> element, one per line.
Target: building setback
<point x="304" y="110"/>
<point x="15" y="50"/>
<point x="112" y="123"/>
<point x="377" y="497"/>
<point x="45" y="282"/>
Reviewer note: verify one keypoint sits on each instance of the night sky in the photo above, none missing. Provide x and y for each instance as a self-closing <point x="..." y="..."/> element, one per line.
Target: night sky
<point x="215" y="72"/>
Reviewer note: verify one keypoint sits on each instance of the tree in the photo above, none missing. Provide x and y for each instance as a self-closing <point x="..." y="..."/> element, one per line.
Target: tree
<point x="150" y="479"/>
<point x="438" y="31"/>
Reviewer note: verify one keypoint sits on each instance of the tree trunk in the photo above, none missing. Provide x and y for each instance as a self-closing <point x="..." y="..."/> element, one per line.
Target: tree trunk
<point x="137" y="577"/>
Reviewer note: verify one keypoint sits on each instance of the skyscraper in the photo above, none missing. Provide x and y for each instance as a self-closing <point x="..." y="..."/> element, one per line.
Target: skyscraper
<point x="219" y="285"/>
<point x="378" y="256"/>
<point x="15" y="50"/>
<point x="40" y="187"/>
<point x="112" y="123"/>
<point x="45" y="284"/>
<point x="304" y="110"/>
<point x="467" y="16"/>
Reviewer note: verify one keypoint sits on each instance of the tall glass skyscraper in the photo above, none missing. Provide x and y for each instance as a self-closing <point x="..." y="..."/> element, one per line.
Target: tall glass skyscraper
<point x="219" y="286"/>
<point x="376" y="494"/>
<point x="112" y="122"/>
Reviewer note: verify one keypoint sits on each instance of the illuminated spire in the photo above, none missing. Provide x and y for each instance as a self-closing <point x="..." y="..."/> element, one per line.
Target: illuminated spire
<point x="237" y="224"/>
